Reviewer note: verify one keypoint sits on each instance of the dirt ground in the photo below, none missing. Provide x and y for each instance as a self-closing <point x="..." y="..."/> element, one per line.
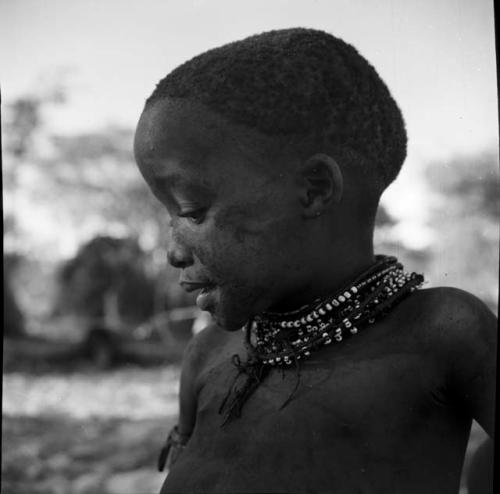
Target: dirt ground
<point x="86" y="432"/>
<point x="90" y="432"/>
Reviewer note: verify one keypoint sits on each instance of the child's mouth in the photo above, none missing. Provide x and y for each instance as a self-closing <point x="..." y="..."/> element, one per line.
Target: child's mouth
<point x="206" y="296"/>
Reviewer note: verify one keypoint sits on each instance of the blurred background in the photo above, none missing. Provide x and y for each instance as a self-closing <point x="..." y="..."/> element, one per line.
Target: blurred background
<point x="94" y="322"/>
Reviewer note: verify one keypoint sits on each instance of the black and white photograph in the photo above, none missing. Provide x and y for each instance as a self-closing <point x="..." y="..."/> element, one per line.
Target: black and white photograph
<point x="249" y="246"/>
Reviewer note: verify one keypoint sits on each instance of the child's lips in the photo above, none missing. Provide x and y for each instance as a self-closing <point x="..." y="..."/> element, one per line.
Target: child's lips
<point x="192" y="285"/>
<point x="206" y="298"/>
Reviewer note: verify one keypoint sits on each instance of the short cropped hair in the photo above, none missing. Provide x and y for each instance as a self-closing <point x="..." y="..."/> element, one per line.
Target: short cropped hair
<point x="298" y="82"/>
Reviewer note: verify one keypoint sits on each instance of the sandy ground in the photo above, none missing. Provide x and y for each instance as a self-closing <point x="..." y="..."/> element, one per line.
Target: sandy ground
<point x="92" y="432"/>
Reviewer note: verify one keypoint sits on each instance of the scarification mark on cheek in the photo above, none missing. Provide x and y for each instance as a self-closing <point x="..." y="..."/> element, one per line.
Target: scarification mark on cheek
<point x="232" y="222"/>
<point x="250" y="218"/>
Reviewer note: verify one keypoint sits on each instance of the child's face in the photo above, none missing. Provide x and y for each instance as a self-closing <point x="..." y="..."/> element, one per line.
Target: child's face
<point x="236" y="229"/>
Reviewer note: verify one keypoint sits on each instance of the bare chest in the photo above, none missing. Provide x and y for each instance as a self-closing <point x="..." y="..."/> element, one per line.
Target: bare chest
<point x="327" y="396"/>
<point x="370" y="410"/>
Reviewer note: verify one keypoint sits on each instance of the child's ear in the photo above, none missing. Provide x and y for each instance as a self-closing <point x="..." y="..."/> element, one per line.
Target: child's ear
<point x="320" y="184"/>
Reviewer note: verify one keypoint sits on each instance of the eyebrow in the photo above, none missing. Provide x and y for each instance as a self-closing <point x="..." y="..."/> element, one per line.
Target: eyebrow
<point x="176" y="180"/>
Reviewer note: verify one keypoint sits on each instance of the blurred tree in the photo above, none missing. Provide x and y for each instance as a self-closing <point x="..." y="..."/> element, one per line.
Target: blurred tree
<point x="80" y="186"/>
<point x="27" y="118"/>
<point x="386" y="242"/>
<point x="108" y="280"/>
<point x="384" y="219"/>
<point x="470" y="183"/>
<point x="99" y="169"/>
<point x="466" y="221"/>
<point x="13" y="318"/>
<point x="57" y="175"/>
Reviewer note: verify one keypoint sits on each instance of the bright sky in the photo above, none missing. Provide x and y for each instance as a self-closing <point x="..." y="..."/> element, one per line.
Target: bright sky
<point x="437" y="57"/>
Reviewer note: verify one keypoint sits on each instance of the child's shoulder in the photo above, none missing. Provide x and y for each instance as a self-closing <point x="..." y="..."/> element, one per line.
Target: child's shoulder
<point x="209" y="343"/>
<point x="446" y="307"/>
<point x="452" y="320"/>
<point x="461" y="332"/>
<point x="443" y="299"/>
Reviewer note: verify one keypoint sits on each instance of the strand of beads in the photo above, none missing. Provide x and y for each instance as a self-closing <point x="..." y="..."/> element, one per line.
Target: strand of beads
<point x="322" y="306"/>
<point x="283" y="342"/>
<point x="321" y="313"/>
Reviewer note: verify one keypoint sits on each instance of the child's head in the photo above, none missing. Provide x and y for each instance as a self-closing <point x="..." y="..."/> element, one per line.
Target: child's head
<point x="270" y="153"/>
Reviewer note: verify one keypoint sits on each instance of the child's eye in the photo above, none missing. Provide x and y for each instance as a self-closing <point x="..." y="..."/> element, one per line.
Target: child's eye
<point x="195" y="216"/>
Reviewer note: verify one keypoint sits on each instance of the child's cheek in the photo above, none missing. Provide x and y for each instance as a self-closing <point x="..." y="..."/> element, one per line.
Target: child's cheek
<point x="246" y="223"/>
<point x="230" y="227"/>
<point x="210" y="246"/>
<point x="226" y="251"/>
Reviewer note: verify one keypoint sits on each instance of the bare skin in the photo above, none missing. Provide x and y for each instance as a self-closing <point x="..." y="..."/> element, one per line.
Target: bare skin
<point x="388" y="410"/>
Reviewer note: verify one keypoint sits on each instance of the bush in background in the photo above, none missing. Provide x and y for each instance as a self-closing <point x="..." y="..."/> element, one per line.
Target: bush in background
<point x="107" y="280"/>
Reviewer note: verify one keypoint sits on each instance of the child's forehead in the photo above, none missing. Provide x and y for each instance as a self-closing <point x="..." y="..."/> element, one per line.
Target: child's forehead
<point x="168" y="125"/>
<point x="195" y="134"/>
<point x="184" y="148"/>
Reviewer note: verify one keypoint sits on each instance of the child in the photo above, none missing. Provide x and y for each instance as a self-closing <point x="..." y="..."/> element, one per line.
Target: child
<point x="270" y="155"/>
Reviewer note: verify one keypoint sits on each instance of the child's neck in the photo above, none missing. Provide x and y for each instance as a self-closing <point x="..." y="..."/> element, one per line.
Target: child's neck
<point x="328" y="274"/>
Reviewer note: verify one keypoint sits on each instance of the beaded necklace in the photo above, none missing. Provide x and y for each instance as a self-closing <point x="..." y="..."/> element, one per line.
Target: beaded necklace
<point x="282" y="339"/>
<point x="279" y="339"/>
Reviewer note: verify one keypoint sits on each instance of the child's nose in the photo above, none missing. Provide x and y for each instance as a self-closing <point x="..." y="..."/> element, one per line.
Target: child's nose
<point x="178" y="256"/>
